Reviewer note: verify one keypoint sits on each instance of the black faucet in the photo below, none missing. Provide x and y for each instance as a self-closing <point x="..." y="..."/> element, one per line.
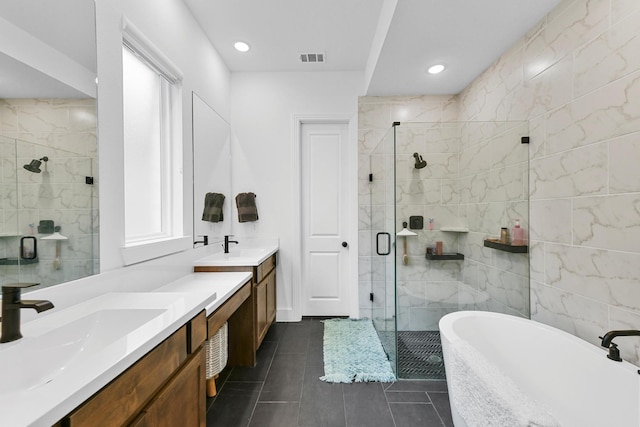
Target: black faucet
<point x="205" y="240"/>
<point x="226" y="243"/>
<point x="11" y="306"/>
<point x="614" y="353"/>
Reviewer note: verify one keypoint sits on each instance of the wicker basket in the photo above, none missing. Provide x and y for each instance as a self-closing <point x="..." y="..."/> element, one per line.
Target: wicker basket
<point x="217" y="352"/>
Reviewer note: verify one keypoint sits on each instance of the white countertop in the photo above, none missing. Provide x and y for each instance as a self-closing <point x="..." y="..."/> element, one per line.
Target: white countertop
<point x="238" y="256"/>
<point x="67" y="356"/>
<point x="224" y="283"/>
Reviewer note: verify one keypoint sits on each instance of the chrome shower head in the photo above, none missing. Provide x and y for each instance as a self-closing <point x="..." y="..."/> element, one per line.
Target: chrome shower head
<point x="420" y="163"/>
<point x="34" y="165"/>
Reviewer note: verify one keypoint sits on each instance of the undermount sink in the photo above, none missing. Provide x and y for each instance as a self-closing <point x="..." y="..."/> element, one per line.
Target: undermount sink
<point x="38" y="359"/>
<point x="245" y="253"/>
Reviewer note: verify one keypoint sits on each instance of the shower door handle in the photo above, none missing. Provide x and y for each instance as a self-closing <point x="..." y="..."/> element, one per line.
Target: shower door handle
<point x="388" y="245"/>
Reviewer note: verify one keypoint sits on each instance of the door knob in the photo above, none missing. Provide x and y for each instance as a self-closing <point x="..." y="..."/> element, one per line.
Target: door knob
<point x="345" y="244"/>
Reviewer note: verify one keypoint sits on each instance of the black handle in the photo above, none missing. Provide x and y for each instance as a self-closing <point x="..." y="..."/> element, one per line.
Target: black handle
<point x="345" y="244"/>
<point x="24" y="253"/>
<point x="388" y="243"/>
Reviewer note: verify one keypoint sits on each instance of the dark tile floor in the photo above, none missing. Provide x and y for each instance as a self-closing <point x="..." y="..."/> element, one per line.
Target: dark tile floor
<point x="283" y="390"/>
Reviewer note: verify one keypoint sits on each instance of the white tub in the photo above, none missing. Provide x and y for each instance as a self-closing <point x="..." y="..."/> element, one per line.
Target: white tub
<point x="569" y="378"/>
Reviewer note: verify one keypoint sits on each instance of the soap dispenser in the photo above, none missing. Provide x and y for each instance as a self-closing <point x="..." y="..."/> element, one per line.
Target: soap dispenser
<point x="517" y="234"/>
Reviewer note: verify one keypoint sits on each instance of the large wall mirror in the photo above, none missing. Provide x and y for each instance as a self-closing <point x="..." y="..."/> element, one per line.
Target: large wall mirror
<point x="212" y="173"/>
<point x="48" y="141"/>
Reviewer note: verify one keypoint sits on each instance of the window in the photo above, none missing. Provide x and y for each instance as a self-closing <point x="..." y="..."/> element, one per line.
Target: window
<point x="152" y="151"/>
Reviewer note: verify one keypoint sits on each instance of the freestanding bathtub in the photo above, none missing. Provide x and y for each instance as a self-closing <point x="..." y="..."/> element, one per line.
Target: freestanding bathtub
<point x="535" y="369"/>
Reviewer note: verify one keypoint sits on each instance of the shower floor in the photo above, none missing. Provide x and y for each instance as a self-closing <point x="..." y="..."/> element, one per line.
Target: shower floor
<point x="420" y="355"/>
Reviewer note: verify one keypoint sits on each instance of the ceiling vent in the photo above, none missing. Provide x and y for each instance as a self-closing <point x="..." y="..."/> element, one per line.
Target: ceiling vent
<point x="310" y="58"/>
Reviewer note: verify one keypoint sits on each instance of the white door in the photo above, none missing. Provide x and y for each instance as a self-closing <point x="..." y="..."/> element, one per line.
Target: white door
<point x="324" y="219"/>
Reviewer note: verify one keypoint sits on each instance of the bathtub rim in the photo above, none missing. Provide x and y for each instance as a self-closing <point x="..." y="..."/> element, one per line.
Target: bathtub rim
<point x="447" y="332"/>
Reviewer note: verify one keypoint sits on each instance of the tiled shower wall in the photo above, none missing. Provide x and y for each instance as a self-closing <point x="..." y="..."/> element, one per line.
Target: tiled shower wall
<point x="65" y="131"/>
<point x="576" y="78"/>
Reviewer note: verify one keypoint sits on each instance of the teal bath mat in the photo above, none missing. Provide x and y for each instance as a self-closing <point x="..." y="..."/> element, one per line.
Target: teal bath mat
<point x="353" y="353"/>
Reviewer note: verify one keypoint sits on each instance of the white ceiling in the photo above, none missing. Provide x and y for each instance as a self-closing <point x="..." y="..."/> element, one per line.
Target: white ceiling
<point x="392" y="42"/>
<point x="465" y="35"/>
<point x="278" y="30"/>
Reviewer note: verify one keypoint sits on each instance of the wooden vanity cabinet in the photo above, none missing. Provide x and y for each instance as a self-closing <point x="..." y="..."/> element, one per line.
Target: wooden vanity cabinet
<point x="265" y="305"/>
<point x="263" y="295"/>
<point x="166" y="387"/>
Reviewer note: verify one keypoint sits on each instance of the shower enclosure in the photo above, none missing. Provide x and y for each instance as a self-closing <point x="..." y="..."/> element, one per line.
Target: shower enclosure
<point x="474" y="183"/>
<point x="48" y="214"/>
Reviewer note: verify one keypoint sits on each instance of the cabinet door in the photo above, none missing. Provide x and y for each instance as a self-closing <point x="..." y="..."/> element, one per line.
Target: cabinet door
<point x="261" y="311"/>
<point x="182" y="401"/>
<point x="271" y="297"/>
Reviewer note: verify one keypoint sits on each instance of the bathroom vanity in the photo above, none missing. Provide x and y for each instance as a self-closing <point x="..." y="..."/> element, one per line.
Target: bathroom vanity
<point x="261" y="263"/>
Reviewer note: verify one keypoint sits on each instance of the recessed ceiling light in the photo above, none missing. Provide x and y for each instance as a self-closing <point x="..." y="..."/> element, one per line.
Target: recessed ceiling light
<point x="241" y="46"/>
<point x="435" y="69"/>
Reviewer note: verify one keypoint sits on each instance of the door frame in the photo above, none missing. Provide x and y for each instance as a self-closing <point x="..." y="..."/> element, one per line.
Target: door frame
<point x="352" y="208"/>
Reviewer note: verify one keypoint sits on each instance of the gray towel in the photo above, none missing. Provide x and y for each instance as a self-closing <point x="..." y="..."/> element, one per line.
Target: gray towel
<point x="247" y="210"/>
<point x="213" y="207"/>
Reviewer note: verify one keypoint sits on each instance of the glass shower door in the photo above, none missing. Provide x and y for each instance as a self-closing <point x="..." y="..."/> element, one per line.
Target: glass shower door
<point x="383" y="236"/>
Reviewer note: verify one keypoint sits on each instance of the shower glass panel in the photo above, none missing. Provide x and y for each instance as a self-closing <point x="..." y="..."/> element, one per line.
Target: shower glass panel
<point x="48" y="220"/>
<point x="474" y="183"/>
<point x="382" y="219"/>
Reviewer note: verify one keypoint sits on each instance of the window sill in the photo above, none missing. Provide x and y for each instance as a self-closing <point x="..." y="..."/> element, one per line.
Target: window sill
<point x="144" y="251"/>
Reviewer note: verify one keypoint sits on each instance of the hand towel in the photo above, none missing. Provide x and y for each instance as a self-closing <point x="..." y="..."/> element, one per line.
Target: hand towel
<point x="213" y="207"/>
<point x="247" y="210"/>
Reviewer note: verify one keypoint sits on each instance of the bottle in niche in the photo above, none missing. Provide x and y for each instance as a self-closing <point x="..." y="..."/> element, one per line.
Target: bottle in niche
<point x="517" y="234"/>
<point x="504" y="236"/>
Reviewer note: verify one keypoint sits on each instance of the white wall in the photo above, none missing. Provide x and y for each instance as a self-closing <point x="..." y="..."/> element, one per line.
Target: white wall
<point x="263" y="106"/>
<point x="171" y="27"/>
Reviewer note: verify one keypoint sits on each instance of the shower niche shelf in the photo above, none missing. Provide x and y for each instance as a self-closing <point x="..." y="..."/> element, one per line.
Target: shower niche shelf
<point x="445" y="257"/>
<point x="455" y="229"/>
<point x="495" y="244"/>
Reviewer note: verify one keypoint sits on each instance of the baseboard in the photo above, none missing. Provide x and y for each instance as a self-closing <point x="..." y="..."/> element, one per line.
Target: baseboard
<point x="287" y="315"/>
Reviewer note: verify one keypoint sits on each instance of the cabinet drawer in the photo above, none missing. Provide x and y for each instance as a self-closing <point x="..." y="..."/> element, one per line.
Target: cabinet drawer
<point x="222" y="314"/>
<point x="265" y="268"/>
<point x="122" y="399"/>
<point x="196" y="332"/>
<point x="181" y="401"/>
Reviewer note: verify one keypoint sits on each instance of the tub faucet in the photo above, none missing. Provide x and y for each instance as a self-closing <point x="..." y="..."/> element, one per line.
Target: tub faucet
<point x="614" y="353"/>
<point x="227" y="241"/>
<point x="11" y="306"/>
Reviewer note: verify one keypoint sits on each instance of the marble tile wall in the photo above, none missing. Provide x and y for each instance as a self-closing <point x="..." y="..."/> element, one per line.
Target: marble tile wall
<point x="64" y="130"/>
<point x="576" y="78"/>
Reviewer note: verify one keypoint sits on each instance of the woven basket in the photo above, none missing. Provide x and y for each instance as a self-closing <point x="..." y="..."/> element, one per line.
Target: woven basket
<point x="217" y="352"/>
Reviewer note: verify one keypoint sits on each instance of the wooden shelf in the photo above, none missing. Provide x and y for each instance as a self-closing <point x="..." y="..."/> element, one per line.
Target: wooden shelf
<point x="445" y="257"/>
<point x="495" y="244"/>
